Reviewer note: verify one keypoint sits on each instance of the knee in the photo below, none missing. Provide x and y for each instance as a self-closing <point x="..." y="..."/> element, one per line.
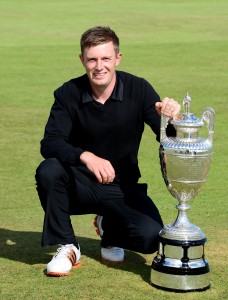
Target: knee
<point x="149" y="238"/>
<point x="48" y="172"/>
<point x="150" y="244"/>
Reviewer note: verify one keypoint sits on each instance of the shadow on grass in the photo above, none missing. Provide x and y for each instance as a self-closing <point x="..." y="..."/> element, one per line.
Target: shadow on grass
<point x="24" y="246"/>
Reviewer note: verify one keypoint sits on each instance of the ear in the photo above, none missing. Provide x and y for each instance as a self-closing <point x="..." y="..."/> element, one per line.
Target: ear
<point x="118" y="58"/>
<point x="81" y="59"/>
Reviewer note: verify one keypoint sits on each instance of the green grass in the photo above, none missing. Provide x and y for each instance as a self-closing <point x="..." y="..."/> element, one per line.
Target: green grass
<point x="179" y="46"/>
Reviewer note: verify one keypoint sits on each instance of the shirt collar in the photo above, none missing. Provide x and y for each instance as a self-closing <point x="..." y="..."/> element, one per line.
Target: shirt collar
<point x="117" y="93"/>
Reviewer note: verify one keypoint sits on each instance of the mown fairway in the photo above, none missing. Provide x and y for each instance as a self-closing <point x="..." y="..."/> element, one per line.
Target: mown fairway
<point x="179" y="46"/>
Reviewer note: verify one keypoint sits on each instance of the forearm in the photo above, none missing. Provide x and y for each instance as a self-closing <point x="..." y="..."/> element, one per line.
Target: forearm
<point x="63" y="151"/>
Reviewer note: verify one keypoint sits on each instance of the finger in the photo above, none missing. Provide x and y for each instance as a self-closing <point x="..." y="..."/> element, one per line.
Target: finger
<point x="98" y="176"/>
<point x="103" y="170"/>
<point x="165" y="100"/>
<point x="168" y="103"/>
<point x="106" y="175"/>
<point x="176" y="112"/>
<point x="170" y="107"/>
<point x="165" y="106"/>
<point x="109" y="178"/>
<point x="175" y="108"/>
<point x="109" y="172"/>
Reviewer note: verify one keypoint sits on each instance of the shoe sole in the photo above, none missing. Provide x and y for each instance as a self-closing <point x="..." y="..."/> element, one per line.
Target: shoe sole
<point x="57" y="274"/>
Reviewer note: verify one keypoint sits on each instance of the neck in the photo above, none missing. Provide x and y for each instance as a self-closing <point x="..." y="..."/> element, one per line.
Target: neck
<point x="102" y="93"/>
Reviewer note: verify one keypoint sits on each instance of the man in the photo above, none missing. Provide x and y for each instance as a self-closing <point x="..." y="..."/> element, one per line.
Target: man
<point x="90" y="147"/>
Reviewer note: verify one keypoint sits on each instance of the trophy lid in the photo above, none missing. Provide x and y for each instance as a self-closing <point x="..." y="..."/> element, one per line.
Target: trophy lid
<point x="187" y="119"/>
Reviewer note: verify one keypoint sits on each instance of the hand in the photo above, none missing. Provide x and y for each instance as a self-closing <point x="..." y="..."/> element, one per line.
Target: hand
<point x="168" y="107"/>
<point x="101" y="168"/>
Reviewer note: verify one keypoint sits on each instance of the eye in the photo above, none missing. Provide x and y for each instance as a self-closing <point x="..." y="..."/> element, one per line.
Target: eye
<point x="106" y="58"/>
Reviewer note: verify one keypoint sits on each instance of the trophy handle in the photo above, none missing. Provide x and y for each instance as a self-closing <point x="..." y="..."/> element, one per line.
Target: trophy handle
<point x="164" y="123"/>
<point x="208" y="116"/>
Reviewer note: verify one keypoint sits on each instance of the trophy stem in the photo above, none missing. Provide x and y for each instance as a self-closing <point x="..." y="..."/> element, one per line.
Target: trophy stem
<point x="182" y="219"/>
<point x="182" y="229"/>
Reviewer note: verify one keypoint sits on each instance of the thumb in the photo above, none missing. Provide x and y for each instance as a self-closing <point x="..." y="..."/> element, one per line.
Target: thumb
<point x="158" y="104"/>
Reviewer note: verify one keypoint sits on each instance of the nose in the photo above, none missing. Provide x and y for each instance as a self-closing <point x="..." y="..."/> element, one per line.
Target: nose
<point x="99" y="64"/>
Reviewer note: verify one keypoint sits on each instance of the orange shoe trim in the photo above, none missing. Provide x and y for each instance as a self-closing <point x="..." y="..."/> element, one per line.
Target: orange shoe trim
<point x="57" y="274"/>
<point x="78" y="265"/>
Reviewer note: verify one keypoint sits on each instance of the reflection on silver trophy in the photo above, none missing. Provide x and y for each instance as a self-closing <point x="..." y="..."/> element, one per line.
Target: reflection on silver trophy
<point x="180" y="264"/>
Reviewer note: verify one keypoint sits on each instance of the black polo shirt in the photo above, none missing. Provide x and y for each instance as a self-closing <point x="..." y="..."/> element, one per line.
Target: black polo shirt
<point x="111" y="130"/>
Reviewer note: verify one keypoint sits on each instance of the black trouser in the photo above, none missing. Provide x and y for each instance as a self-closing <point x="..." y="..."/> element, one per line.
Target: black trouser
<point x="131" y="220"/>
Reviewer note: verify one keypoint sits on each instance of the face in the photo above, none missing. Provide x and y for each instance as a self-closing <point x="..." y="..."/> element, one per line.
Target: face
<point x="100" y="63"/>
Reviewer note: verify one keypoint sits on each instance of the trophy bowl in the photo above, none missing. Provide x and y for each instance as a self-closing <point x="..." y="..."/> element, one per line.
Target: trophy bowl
<point x="180" y="264"/>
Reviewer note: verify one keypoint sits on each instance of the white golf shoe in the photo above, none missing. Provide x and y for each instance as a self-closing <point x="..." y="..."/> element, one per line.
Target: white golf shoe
<point x="66" y="258"/>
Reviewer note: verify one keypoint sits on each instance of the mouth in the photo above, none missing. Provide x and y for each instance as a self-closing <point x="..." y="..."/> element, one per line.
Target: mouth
<point x="99" y="75"/>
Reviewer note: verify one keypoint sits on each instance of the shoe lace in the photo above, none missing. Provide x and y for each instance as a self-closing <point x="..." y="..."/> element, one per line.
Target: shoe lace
<point x="62" y="251"/>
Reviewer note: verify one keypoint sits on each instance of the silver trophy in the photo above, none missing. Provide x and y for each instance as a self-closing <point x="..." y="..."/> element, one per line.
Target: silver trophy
<point x="180" y="263"/>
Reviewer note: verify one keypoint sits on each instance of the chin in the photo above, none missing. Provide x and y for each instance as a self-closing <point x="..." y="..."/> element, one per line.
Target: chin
<point x="100" y="82"/>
